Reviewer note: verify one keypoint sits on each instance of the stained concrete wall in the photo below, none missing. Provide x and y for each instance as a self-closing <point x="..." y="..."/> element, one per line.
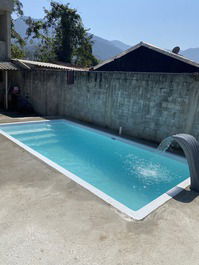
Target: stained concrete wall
<point x="6" y="7"/>
<point x="148" y="106"/>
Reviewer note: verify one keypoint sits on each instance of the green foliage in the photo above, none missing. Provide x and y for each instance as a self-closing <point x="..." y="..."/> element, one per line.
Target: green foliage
<point x="45" y="52"/>
<point x="17" y="52"/>
<point x="18" y="8"/>
<point x="19" y="42"/>
<point x="63" y="36"/>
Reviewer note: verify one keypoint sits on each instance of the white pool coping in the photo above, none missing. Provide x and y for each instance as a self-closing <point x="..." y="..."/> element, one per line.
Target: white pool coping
<point x="137" y="215"/>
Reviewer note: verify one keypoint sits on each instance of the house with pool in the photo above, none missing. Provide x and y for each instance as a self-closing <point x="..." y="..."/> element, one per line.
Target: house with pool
<point x="101" y="165"/>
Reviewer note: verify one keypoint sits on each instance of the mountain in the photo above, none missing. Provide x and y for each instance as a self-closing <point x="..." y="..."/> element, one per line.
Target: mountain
<point x="103" y="49"/>
<point x="20" y="26"/>
<point x="192" y="53"/>
<point x="122" y="46"/>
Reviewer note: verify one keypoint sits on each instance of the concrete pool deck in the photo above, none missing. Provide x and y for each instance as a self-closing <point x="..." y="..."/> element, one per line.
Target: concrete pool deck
<point x="45" y="218"/>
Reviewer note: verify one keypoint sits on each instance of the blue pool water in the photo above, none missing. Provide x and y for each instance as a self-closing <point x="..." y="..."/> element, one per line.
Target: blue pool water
<point x="129" y="173"/>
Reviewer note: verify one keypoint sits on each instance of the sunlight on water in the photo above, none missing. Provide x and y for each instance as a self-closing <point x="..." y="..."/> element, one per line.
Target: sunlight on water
<point x="152" y="173"/>
<point x="147" y="172"/>
<point x="129" y="173"/>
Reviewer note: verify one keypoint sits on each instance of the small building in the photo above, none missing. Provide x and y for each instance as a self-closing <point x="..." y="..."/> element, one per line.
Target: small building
<point x="9" y="67"/>
<point x="13" y="70"/>
<point x="145" y="57"/>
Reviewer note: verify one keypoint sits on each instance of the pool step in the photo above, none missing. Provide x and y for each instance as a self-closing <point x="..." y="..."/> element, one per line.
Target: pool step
<point x="42" y="143"/>
<point x="14" y="133"/>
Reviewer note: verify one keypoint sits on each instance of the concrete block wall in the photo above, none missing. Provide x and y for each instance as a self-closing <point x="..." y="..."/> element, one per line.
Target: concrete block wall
<point x="147" y="105"/>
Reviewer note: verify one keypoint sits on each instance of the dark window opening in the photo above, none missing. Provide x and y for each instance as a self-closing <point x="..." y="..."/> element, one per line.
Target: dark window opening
<point x="1" y="76"/>
<point x="2" y="27"/>
<point x="70" y="77"/>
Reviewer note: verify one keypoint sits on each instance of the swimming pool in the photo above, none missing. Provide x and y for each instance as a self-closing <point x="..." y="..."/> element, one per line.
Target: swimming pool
<point x="132" y="177"/>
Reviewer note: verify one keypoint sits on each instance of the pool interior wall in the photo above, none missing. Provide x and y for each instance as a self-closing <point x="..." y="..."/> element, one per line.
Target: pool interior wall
<point x="132" y="177"/>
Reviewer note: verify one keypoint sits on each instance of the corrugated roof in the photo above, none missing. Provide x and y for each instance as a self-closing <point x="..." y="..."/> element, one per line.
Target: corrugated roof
<point x="29" y="63"/>
<point x="152" y="47"/>
<point x="5" y="66"/>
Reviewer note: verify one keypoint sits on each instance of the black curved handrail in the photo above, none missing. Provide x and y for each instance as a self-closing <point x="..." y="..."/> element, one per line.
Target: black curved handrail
<point x="190" y="146"/>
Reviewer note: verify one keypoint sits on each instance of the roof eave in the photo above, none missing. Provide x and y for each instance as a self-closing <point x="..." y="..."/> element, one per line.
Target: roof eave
<point x="149" y="46"/>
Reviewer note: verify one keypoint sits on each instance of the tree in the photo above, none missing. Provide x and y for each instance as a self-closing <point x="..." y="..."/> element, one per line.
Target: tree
<point x="63" y="36"/>
<point x="18" y="43"/>
<point x="17" y="52"/>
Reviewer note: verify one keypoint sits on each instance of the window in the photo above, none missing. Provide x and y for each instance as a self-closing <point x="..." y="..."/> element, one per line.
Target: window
<point x="1" y="76"/>
<point x="70" y="77"/>
<point x="3" y="27"/>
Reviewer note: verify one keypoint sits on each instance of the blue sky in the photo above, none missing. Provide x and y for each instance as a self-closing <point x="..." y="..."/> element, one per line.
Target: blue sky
<point x="165" y="23"/>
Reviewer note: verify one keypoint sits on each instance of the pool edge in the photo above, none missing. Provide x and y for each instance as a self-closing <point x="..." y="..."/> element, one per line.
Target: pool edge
<point x="136" y="215"/>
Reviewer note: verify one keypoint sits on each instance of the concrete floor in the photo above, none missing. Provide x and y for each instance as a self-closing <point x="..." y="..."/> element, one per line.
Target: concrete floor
<point x="47" y="219"/>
